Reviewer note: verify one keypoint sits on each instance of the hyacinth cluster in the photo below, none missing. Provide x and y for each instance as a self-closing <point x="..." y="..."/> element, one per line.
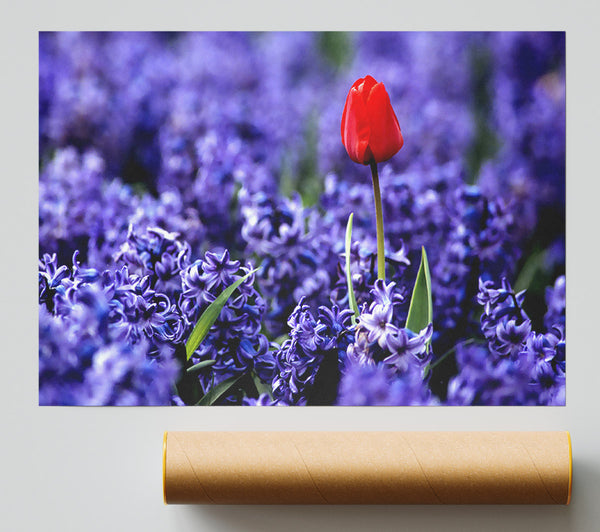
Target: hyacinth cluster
<point x="387" y="361"/>
<point x="520" y="366"/>
<point x="235" y="343"/>
<point x="316" y="348"/>
<point x="174" y="164"/>
<point x="96" y="338"/>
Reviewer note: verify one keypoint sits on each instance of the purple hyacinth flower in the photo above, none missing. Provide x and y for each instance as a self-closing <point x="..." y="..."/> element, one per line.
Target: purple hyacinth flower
<point x="405" y="345"/>
<point x="510" y="337"/>
<point x="378" y="323"/>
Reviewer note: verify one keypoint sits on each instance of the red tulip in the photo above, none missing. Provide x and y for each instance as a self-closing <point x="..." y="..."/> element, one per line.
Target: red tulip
<point x="370" y="129"/>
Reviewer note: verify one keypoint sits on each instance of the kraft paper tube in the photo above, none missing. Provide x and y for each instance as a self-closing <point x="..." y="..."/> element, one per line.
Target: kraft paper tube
<point x="367" y="467"/>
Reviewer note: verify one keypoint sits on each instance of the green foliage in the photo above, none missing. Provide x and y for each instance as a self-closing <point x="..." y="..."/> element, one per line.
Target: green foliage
<point x="420" y="312"/>
<point x="351" y="296"/>
<point x="218" y="391"/>
<point x="485" y="142"/>
<point x="201" y="365"/>
<point x="210" y="315"/>
<point x="336" y="47"/>
<point x="261" y="387"/>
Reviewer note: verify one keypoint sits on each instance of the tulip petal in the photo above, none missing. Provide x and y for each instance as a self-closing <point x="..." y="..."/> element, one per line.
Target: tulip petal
<point x="385" y="138"/>
<point x="365" y="86"/>
<point x="355" y="127"/>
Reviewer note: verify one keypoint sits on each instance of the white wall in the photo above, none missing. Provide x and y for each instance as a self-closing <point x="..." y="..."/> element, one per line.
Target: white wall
<point x="100" y="469"/>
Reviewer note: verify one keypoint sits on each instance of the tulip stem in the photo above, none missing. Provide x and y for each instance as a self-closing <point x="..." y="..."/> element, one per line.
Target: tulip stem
<point x="379" y="218"/>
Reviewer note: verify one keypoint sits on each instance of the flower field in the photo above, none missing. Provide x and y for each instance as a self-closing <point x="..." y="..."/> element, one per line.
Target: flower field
<point x="173" y="165"/>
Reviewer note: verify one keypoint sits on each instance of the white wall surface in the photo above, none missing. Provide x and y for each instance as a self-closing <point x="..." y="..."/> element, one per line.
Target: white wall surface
<point x="99" y="469"/>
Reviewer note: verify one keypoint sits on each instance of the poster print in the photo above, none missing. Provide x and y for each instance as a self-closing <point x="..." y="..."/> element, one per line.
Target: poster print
<point x="302" y="218"/>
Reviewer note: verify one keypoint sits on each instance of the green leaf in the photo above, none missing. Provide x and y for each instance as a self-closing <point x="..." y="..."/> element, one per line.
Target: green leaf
<point x="281" y="339"/>
<point x="351" y="297"/>
<point x="261" y="387"/>
<point x="200" y="365"/>
<point x="420" y="312"/>
<point x="432" y="365"/>
<point x="210" y="315"/>
<point x="216" y="392"/>
<point x="533" y="267"/>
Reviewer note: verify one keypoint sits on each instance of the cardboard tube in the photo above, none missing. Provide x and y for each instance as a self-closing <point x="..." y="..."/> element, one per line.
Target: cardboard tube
<point x="367" y="467"/>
